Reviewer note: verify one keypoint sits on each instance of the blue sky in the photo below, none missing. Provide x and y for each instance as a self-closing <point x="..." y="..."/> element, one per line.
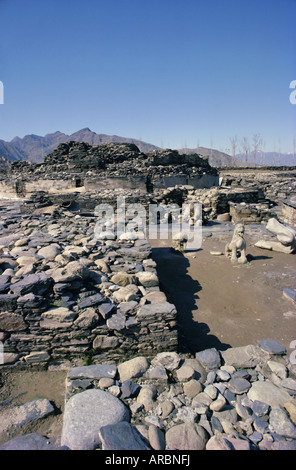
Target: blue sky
<point x="170" y="72"/>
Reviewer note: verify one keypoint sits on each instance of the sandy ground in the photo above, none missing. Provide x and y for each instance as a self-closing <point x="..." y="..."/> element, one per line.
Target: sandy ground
<point x="18" y="387"/>
<point x="220" y="304"/>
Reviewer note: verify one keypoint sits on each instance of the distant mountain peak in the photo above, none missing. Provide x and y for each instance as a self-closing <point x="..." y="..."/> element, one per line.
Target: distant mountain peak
<point x="34" y="148"/>
<point x="86" y="129"/>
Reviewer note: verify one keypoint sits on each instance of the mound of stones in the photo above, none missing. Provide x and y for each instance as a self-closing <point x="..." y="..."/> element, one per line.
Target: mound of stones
<point x="112" y="159"/>
<point x="239" y="399"/>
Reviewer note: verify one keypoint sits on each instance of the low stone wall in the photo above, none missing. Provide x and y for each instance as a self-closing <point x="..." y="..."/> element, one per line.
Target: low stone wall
<point x="65" y="294"/>
<point x="249" y="213"/>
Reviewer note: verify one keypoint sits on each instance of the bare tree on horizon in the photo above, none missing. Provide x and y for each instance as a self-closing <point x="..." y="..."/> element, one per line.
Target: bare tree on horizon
<point x="246" y="148"/>
<point x="234" y="144"/>
<point x="257" y="143"/>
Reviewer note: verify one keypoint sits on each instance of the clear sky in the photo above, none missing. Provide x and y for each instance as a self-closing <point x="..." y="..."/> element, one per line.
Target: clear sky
<point x="173" y="73"/>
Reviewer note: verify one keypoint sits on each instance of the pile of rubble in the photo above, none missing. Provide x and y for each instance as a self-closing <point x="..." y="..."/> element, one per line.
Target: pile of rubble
<point x="112" y="159"/>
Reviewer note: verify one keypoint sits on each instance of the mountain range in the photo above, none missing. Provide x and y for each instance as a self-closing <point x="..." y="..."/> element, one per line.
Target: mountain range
<point x="34" y="148"/>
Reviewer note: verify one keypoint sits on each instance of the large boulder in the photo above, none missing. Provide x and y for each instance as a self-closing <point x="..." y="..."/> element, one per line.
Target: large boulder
<point x="86" y="413"/>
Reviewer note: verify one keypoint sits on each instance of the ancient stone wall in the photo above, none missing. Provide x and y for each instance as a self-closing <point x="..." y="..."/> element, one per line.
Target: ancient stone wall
<point x="66" y="294"/>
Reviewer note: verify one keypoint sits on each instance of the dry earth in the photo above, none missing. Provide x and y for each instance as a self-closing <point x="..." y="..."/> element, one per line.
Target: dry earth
<point x="223" y="305"/>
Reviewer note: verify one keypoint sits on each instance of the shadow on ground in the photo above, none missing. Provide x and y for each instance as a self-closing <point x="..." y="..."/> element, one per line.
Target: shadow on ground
<point x="182" y="291"/>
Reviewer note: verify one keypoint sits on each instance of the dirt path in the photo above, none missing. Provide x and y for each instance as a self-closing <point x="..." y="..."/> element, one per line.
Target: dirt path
<point x="222" y="305"/>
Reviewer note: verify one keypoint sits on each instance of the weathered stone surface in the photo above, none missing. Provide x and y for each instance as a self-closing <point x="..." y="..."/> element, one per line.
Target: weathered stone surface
<point x="147" y="279"/>
<point x="121" y="436"/>
<point x="8" y="302"/>
<point x="156" y="438"/>
<point x="268" y="393"/>
<point x="9" y="358"/>
<point x="151" y="310"/>
<point x="128" y="308"/>
<point x="201" y="402"/>
<point x="106" y="310"/>
<point x="155" y="297"/>
<point x="12" y="322"/>
<point x="281" y="424"/>
<point x="31" y="441"/>
<point x="272" y="346"/>
<point x="37" y="283"/>
<point x="123" y="279"/>
<point x="218" y="404"/>
<point x="238" y="385"/>
<point x="243" y="356"/>
<point x="192" y="388"/>
<point x="91" y="301"/>
<point x="116" y="322"/>
<point x="70" y="272"/>
<point x="95" y="371"/>
<point x="170" y="360"/>
<point x="37" y="357"/>
<point x="59" y="317"/>
<point x="86" y="413"/>
<point x="4" y="283"/>
<point x="87" y="319"/>
<point x="157" y="372"/>
<point x="105" y="342"/>
<point x="49" y="252"/>
<point x="133" y="368"/>
<point x="210" y="358"/>
<point x="129" y="389"/>
<point x="127" y="293"/>
<point x="290" y="406"/>
<point x="186" y="436"/>
<point x="186" y="372"/>
<point x="219" y="443"/>
<point x="23" y="414"/>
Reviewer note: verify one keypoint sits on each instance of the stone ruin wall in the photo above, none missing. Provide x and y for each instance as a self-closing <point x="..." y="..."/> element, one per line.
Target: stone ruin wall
<point x="39" y="326"/>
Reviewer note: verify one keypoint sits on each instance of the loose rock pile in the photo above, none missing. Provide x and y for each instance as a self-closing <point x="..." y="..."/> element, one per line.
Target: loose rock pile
<point x="239" y="399"/>
<point x="104" y="159"/>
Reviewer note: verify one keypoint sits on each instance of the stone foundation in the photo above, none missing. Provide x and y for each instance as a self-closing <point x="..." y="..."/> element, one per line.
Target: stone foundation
<point x="65" y="294"/>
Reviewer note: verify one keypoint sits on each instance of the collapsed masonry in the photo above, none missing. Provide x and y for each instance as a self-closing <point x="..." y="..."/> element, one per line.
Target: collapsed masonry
<point x="79" y="176"/>
<point x="78" y="164"/>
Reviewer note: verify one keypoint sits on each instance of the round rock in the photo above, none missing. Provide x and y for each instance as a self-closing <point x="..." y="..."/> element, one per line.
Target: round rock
<point x="86" y="413"/>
